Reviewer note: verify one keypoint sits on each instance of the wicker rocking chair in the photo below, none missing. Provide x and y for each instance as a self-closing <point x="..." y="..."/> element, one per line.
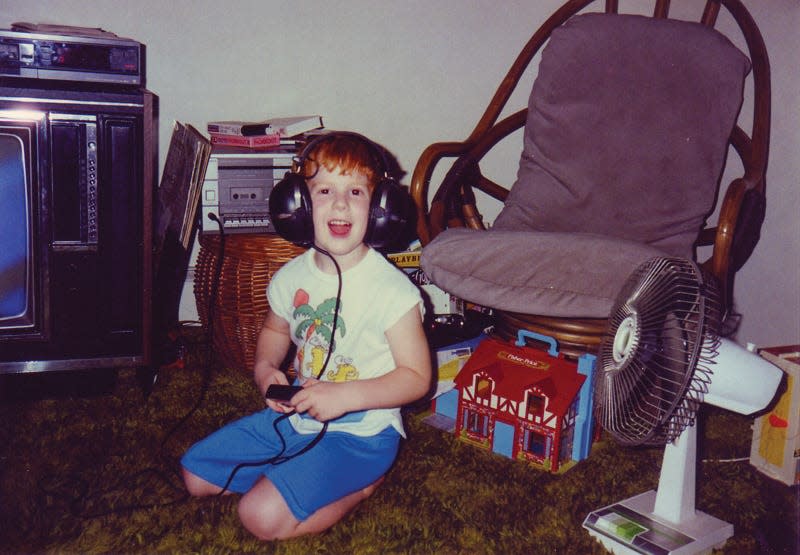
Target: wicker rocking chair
<point x="626" y="137"/>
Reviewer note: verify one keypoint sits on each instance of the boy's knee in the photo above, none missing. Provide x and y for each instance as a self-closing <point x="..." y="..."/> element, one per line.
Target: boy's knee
<point x="268" y="517"/>
<point x="251" y="521"/>
<point x="261" y="523"/>
<point x="370" y="489"/>
<point x="191" y="482"/>
<point x="196" y="486"/>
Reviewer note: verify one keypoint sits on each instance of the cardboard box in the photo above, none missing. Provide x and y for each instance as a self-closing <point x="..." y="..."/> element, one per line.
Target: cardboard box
<point x="775" y="449"/>
<point x="450" y="359"/>
<point x="444" y="306"/>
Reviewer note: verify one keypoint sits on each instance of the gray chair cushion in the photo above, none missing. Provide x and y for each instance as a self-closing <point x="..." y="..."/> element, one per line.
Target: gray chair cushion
<point x="574" y="275"/>
<point x="627" y="130"/>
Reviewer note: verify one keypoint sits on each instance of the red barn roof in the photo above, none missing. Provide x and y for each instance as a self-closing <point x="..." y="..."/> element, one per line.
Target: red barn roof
<point x="516" y="370"/>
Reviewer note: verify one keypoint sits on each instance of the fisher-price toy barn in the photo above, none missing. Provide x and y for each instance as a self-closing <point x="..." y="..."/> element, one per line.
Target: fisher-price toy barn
<point x="525" y="403"/>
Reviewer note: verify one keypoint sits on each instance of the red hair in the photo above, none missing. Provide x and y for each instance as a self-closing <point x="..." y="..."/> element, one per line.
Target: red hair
<point x="348" y="152"/>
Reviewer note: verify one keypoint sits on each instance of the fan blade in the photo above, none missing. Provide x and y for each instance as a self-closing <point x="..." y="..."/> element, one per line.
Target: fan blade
<point x="650" y="379"/>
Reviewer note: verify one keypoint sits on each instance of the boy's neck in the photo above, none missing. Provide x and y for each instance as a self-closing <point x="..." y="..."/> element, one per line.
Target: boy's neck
<point x="345" y="261"/>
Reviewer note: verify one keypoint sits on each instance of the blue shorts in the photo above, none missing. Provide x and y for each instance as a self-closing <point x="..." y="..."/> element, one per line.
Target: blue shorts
<point x="338" y="465"/>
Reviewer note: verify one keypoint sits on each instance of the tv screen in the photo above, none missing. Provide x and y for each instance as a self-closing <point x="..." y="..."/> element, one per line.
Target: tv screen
<point x="16" y="258"/>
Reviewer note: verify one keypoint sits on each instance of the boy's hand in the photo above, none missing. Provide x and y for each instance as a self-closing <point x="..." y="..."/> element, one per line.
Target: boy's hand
<point x="322" y="400"/>
<point x="266" y="379"/>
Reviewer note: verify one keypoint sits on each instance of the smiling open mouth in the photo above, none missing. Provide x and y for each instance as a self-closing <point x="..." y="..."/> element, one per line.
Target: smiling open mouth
<point x="339" y="227"/>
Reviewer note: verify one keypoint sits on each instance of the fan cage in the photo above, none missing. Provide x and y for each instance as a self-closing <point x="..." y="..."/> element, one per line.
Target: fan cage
<point x="655" y="362"/>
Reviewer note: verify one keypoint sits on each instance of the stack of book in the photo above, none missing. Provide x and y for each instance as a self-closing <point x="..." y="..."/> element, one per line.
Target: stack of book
<point x="261" y="135"/>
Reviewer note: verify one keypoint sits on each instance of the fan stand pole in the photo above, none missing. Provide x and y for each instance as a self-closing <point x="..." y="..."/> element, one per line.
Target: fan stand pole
<point x="663" y="521"/>
<point x="675" y="498"/>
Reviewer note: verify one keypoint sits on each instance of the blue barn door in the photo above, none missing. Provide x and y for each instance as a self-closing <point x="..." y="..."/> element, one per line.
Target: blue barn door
<point x="503" y="442"/>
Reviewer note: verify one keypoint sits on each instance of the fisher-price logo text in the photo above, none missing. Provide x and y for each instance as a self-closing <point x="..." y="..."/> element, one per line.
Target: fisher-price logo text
<point x="516" y="359"/>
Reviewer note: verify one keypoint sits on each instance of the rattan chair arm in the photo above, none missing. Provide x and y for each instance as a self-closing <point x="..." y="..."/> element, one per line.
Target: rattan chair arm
<point x="736" y="232"/>
<point x="420" y="183"/>
<point x="453" y="203"/>
<point x="723" y="232"/>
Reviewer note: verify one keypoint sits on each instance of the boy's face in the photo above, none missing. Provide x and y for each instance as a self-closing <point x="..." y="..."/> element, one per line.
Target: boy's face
<point x="340" y="211"/>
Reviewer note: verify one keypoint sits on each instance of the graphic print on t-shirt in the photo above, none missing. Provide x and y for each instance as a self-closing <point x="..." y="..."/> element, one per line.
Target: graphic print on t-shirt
<point x="314" y="327"/>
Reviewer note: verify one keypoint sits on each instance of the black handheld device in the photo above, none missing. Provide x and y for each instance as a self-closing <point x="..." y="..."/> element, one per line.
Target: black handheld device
<point x="278" y="392"/>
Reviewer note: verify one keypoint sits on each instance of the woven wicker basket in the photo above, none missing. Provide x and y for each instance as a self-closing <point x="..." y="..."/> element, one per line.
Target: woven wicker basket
<point x="248" y="264"/>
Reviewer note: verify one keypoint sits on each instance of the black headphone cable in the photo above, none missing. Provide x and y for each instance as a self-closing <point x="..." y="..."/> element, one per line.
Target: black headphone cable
<point x="280" y="458"/>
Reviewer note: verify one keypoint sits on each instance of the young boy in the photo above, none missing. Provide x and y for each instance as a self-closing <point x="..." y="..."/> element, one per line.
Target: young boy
<point x="379" y="362"/>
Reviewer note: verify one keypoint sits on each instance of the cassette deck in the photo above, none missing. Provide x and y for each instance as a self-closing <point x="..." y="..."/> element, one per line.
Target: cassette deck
<point x="237" y="186"/>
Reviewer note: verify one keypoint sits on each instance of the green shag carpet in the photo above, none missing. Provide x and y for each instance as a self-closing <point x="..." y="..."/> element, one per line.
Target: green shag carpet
<point x="89" y="464"/>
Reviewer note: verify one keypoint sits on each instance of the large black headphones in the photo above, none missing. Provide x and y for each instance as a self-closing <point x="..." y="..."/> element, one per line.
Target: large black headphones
<point x="389" y="211"/>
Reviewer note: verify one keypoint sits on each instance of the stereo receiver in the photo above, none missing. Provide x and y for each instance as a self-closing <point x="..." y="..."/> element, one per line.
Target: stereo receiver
<point x="237" y="186"/>
<point x="70" y="54"/>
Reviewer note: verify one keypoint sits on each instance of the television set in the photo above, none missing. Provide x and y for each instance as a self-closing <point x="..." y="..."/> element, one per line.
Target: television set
<point x="18" y="259"/>
<point x="77" y="180"/>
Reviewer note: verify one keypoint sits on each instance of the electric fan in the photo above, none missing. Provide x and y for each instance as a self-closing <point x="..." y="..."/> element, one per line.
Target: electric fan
<point x="661" y="357"/>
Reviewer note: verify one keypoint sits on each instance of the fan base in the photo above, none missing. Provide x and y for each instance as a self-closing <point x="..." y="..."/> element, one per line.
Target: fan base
<point x="631" y="527"/>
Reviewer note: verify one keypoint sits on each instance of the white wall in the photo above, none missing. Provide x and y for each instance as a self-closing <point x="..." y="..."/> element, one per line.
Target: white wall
<point x="408" y="73"/>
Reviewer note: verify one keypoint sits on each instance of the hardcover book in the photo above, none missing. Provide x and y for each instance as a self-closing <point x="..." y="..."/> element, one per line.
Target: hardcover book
<point x="285" y="127"/>
<point x="256" y="141"/>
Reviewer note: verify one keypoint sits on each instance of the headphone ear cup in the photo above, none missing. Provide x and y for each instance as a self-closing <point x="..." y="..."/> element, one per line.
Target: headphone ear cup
<point x="389" y="214"/>
<point x="290" y="210"/>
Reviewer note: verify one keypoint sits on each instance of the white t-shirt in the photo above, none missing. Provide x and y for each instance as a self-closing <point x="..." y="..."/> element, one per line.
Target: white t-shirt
<point x="375" y="294"/>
